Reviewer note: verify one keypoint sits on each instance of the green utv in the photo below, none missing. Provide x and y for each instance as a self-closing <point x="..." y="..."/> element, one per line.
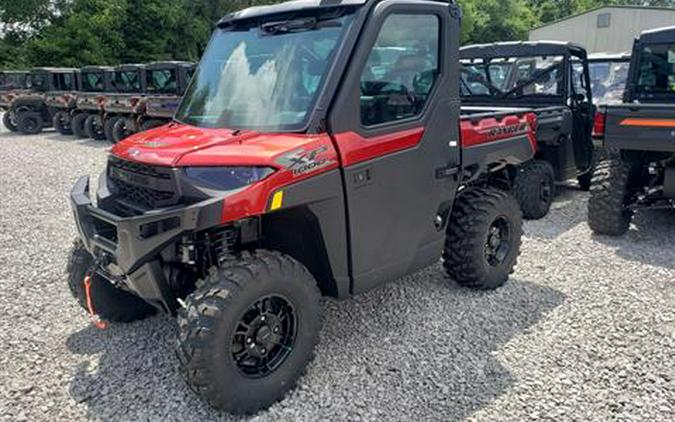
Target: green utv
<point x="94" y="83"/>
<point x="31" y="110"/>
<point x="12" y="84"/>
<point x="129" y="87"/>
<point x="165" y="84"/>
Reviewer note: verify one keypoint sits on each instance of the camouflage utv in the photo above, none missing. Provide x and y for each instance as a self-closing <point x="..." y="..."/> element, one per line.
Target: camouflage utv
<point x="12" y="84"/>
<point x="94" y="84"/>
<point x="165" y="84"/>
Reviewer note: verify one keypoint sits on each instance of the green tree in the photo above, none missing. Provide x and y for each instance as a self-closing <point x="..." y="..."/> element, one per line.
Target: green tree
<point x="496" y="20"/>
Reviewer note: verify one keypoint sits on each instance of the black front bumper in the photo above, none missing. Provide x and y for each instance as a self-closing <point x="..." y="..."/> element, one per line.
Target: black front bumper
<point x="129" y="248"/>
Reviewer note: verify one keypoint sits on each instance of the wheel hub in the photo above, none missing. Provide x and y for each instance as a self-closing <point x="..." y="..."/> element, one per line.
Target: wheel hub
<point x="264" y="336"/>
<point x="497" y="245"/>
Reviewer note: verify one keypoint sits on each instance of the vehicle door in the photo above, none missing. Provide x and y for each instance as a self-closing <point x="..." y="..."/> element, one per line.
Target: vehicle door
<point x="583" y="110"/>
<point x="395" y="125"/>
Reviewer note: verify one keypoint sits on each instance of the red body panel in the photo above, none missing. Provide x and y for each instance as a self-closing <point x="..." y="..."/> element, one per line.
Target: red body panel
<point x="491" y="129"/>
<point x="296" y="157"/>
<point x="354" y="148"/>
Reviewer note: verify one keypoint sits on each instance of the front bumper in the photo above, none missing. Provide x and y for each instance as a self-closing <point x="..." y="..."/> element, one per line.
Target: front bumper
<point x="129" y="248"/>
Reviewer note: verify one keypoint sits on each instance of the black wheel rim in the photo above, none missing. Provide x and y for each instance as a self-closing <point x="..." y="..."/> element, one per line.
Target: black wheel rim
<point x="31" y="124"/>
<point x="545" y="191"/>
<point x="498" y="242"/>
<point x="264" y="336"/>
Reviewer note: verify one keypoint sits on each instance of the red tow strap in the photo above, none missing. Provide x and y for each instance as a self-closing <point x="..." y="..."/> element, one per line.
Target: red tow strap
<point x="95" y="319"/>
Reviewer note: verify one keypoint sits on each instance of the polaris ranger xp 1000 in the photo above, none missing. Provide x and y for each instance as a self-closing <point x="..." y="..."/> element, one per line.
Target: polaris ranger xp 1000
<point x="303" y="161"/>
<point x="552" y="77"/>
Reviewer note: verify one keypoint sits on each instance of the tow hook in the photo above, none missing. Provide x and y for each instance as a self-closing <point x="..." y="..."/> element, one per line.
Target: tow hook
<point x="93" y="316"/>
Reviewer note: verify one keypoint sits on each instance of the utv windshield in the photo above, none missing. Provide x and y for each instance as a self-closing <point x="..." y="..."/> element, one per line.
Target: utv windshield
<point x="608" y="81"/>
<point x="162" y="81"/>
<point x="127" y="81"/>
<point x="38" y="81"/>
<point x="656" y="72"/>
<point x="93" y="82"/>
<point x="512" y="77"/>
<point x="265" y="76"/>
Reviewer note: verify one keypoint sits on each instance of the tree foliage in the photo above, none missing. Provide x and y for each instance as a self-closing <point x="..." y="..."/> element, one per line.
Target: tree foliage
<point x="79" y="32"/>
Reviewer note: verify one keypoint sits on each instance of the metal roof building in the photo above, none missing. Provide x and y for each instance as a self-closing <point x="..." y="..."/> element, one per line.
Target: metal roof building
<point x="606" y="29"/>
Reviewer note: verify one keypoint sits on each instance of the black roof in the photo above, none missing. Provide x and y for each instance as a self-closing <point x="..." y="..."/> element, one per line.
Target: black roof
<point x="666" y="34"/>
<point x="255" y="12"/>
<point x="54" y="69"/>
<point x="169" y="63"/>
<point x="96" y="68"/>
<point x="518" y="48"/>
<point x="130" y="66"/>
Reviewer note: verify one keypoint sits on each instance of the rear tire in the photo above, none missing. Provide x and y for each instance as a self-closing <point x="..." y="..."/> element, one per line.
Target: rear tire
<point x="93" y="127"/>
<point x="221" y="359"/>
<point x="108" y="128"/>
<point x="534" y="188"/>
<point x="109" y="302"/>
<point x="483" y="238"/>
<point x="609" y="196"/>
<point x="61" y="122"/>
<point x="77" y="125"/>
<point x="29" y="122"/>
<point x="9" y="121"/>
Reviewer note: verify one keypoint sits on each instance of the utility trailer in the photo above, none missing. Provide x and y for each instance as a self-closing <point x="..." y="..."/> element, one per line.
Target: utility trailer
<point x="13" y="83"/>
<point x="166" y="83"/>
<point x="639" y="135"/>
<point x="299" y="164"/>
<point x="31" y="110"/>
<point x="129" y="81"/>
<point x="552" y="77"/>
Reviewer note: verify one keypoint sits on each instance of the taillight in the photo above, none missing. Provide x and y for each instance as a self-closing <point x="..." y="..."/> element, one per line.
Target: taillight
<point x="599" y="124"/>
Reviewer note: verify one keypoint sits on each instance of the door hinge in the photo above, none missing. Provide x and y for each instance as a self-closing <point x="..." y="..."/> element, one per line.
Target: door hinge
<point x="455" y="10"/>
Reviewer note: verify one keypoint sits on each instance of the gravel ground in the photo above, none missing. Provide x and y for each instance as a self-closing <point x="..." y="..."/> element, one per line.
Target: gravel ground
<point x="585" y="329"/>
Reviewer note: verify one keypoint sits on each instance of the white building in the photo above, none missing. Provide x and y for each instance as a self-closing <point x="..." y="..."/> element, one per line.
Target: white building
<point x="606" y="29"/>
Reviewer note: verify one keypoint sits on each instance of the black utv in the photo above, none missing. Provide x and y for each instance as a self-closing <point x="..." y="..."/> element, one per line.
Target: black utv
<point x="94" y="82"/>
<point x="12" y="84"/>
<point x="31" y="110"/>
<point x="639" y="135"/>
<point x="165" y="84"/>
<point x="129" y="81"/>
<point x="553" y="78"/>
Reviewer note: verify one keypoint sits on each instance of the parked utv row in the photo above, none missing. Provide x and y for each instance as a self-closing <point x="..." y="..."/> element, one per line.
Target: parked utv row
<point x="97" y="102"/>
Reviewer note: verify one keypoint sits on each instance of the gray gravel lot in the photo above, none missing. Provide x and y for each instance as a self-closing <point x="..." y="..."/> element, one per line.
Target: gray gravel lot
<point x="585" y="329"/>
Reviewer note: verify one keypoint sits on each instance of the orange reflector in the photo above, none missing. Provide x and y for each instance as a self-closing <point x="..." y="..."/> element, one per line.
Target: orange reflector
<point x="649" y="122"/>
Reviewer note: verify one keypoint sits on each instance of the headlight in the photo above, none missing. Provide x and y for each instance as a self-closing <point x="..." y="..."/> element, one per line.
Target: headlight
<point x="228" y="178"/>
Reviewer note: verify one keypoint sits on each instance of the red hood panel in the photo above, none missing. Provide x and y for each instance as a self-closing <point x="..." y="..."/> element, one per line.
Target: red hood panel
<point x="177" y="144"/>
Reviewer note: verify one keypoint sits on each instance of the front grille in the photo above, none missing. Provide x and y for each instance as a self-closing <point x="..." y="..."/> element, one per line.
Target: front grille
<point x="142" y="187"/>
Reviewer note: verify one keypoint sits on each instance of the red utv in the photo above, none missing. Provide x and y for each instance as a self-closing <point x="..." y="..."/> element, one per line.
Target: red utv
<point x="300" y="163"/>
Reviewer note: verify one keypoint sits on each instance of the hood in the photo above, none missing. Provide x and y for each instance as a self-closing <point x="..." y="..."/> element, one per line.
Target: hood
<point x="180" y="145"/>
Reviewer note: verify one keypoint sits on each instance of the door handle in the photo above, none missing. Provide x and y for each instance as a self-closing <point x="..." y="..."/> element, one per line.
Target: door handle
<point x="362" y="177"/>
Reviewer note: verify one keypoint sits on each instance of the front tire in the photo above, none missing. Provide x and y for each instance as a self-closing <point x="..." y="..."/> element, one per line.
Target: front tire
<point x="483" y="238"/>
<point x="9" y="121"/>
<point x="534" y="188"/>
<point x="610" y="193"/>
<point x="61" y="122"/>
<point x="77" y="125"/>
<point x="29" y="122"/>
<point x="108" y="126"/>
<point x="248" y="331"/>
<point x="109" y="302"/>
<point x="121" y="130"/>
<point x="93" y="127"/>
